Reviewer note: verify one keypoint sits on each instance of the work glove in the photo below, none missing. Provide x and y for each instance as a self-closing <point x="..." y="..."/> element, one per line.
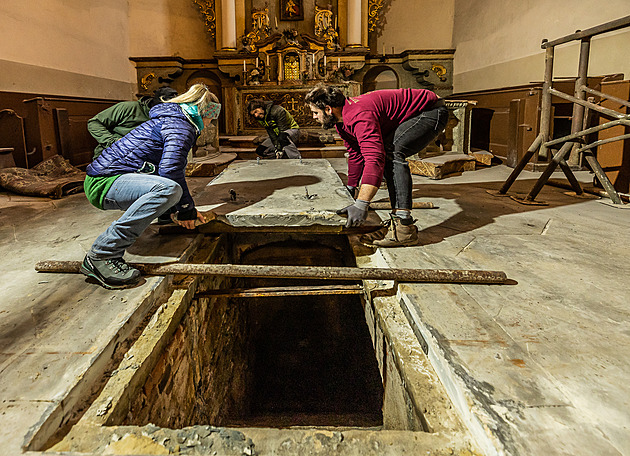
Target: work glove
<point x="352" y="190"/>
<point x="357" y="213"/>
<point x="279" y="151"/>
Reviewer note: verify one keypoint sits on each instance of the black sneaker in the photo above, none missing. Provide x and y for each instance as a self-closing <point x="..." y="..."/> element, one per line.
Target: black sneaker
<point x="111" y="273"/>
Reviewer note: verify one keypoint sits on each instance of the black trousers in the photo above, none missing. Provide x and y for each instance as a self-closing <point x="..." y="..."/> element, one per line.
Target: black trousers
<point x="408" y="139"/>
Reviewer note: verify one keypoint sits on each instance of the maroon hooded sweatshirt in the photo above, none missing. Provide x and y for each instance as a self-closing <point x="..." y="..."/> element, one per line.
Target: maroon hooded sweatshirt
<point x="370" y="117"/>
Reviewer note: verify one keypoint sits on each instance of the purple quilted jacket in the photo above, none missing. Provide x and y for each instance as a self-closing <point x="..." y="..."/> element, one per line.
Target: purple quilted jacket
<point x="158" y="146"/>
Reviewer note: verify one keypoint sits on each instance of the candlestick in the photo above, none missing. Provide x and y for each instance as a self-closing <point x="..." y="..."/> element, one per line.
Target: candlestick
<point x="324" y="63"/>
<point x="244" y="66"/>
<point x="267" y="59"/>
<point x="338" y="62"/>
<point x="313" y="59"/>
<point x="256" y="62"/>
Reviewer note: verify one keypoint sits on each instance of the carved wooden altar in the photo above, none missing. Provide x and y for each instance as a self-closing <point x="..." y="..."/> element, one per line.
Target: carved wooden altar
<point x="290" y="97"/>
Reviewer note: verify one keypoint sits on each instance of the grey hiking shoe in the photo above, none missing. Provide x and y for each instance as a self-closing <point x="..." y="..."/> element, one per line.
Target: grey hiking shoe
<point x="398" y="235"/>
<point x="369" y="238"/>
<point x="111" y="273"/>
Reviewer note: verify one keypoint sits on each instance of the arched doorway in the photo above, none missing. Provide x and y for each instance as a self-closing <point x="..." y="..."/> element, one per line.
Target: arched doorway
<point x="379" y="78"/>
<point x="214" y="84"/>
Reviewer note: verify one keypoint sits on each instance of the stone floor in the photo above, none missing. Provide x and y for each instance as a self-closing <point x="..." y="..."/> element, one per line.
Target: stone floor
<point x="538" y="367"/>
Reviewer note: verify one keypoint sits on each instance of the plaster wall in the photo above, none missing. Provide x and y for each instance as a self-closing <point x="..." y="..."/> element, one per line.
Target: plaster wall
<point x="498" y="41"/>
<point x="65" y="47"/>
<point x="168" y="28"/>
<point x="415" y="24"/>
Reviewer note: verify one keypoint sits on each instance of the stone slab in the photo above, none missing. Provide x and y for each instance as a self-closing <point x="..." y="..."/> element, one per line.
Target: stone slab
<point x="442" y="165"/>
<point x="535" y="367"/>
<point x="55" y="327"/>
<point x="270" y="193"/>
<point x="483" y="157"/>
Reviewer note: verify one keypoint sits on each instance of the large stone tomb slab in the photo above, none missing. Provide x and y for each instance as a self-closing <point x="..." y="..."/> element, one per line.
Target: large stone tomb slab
<point x="276" y="193"/>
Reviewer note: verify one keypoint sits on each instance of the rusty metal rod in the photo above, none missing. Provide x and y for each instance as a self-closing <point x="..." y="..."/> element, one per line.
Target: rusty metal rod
<point x="603" y="141"/>
<point x="300" y="272"/>
<point x="606" y="96"/>
<point x="588" y="131"/>
<point x="593" y="106"/>
<point x="380" y="205"/>
<point x="597" y="30"/>
<point x="264" y="292"/>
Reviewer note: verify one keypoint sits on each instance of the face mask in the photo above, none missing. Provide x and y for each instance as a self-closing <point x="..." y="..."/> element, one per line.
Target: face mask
<point x="211" y="111"/>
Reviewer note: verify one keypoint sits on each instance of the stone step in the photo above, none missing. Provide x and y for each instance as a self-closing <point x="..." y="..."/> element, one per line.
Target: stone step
<point x="442" y="165"/>
<point x="209" y="165"/>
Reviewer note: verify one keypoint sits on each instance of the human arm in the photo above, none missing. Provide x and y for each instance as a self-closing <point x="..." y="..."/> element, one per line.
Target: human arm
<point x="111" y="124"/>
<point x="178" y="137"/>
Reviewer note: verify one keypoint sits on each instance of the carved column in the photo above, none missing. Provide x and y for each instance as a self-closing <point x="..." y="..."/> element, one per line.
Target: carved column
<point x="354" y="19"/>
<point x="228" y="24"/>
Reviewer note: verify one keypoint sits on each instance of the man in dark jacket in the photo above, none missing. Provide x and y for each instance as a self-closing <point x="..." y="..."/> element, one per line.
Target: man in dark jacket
<point x="111" y="124"/>
<point x="381" y="129"/>
<point x="281" y="127"/>
<point x="143" y="174"/>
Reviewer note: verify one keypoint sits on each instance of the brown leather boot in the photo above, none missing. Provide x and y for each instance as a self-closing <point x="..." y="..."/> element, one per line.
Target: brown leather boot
<point x="399" y="235"/>
<point x="377" y="235"/>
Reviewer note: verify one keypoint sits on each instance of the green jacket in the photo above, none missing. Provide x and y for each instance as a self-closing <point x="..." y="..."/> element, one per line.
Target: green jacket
<point x="113" y="123"/>
<point x="277" y="119"/>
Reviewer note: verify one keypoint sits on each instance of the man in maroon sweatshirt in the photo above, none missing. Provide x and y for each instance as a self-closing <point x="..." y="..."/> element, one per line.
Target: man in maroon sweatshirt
<point x="381" y="129"/>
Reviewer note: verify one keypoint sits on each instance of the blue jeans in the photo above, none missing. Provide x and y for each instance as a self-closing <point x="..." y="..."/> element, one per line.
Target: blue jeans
<point x="409" y="138"/>
<point x="143" y="197"/>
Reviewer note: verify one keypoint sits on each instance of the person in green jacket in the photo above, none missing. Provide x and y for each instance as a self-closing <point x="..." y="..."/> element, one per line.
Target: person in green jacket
<point x="281" y="127"/>
<point x="113" y="123"/>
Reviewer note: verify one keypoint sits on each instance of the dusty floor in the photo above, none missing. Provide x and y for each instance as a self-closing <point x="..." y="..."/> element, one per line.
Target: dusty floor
<point x="540" y="367"/>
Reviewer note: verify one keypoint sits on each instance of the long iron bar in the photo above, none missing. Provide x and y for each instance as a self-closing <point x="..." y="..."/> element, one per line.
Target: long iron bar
<point x="270" y="292"/>
<point x="521" y="164"/>
<point x="577" y="118"/>
<point x="588" y="104"/>
<point x="599" y="29"/>
<point x="603" y="179"/>
<point x="548" y="171"/>
<point x="415" y="205"/>
<point x="603" y="141"/>
<point x="590" y="191"/>
<point x="545" y="103"/>
<point x="588" y="131"/>
<point x="606" y="96"/>
<point x="302" y="272"/>
<point x="575" y="184"/>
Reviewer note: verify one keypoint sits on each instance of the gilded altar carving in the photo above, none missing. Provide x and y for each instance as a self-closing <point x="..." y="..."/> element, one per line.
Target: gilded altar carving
<point x="439" y="70"/>
<point x="291" y="66"/>
<point x="374" y="6"/>
<point x="324" y="28"/>
<point x="145" y="81"/>
<point x="260" y="29"/>
<point x="209" y="14"/>
<point x="291" y="101"/>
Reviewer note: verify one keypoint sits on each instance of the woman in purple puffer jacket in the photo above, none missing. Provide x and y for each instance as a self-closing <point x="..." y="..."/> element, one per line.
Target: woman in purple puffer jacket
<point x="143" y="174"/>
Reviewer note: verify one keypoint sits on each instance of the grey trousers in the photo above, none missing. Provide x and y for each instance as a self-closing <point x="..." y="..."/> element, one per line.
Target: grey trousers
<point x="290" y="150"/>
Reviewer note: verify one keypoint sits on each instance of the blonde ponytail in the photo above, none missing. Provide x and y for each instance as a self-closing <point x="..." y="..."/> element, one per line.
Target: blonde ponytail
<point x="198" y="94"/>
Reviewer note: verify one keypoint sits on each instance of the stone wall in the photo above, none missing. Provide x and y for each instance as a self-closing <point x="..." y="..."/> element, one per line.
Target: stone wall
<point x="200" y="377"/>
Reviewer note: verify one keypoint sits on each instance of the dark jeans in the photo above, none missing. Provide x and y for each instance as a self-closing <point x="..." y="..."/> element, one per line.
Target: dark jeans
<point x="267" y="149"/>
<point x="408" y="139"/>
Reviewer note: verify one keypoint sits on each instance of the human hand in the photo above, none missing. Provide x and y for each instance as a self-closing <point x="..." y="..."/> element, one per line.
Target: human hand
<point x="356" y="213"/>
<point x="190" y="224"/>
